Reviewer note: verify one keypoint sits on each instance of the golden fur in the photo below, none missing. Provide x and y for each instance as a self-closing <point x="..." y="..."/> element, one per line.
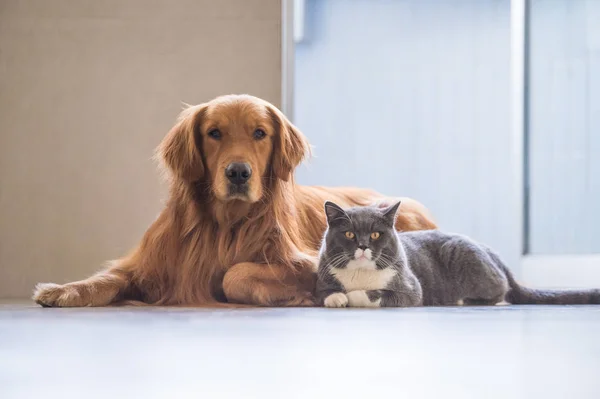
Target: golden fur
<point x="209" y="247"/>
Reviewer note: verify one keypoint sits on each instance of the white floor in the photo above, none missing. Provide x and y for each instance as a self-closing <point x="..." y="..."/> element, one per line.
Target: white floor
<point x="487" y="352"/>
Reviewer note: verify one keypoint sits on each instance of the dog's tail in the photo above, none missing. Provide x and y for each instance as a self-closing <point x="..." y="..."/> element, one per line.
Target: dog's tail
<point x="520" y="295"/>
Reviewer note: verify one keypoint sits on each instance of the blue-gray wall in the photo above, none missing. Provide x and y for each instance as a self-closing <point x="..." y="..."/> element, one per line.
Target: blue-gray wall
<point x="565" y="127"/>
<point x="412" y="98"/>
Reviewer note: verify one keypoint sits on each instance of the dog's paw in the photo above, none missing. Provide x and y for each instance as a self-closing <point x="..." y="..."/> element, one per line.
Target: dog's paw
<point x="337" y="300"/>
<point x="55" y="295"/>
<point x="300" y="299"/>
<point x="303" y="300"/>
<point x="360" y="299"/>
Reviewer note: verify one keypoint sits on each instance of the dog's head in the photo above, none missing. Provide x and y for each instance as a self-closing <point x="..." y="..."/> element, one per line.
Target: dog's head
<point x="236" y="143"/>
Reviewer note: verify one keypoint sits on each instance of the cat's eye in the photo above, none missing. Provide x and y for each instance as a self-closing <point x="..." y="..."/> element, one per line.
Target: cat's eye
<point x="349" y="235"/>
<point x="375" y="235"/>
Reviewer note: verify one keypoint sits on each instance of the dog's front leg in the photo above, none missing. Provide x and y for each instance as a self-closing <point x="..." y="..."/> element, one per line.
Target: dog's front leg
<point x="269" y="285"/>
<point x="101" y="289"/>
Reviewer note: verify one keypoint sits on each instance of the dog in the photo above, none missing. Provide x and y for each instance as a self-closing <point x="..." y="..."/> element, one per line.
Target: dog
<point x="236" y="228"/>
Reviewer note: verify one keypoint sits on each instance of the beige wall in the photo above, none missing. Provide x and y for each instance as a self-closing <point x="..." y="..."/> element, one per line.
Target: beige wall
<point x="87" y="91"/>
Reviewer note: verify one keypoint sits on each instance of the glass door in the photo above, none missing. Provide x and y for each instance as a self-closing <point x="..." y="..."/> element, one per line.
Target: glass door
<point x="563" y="142"/>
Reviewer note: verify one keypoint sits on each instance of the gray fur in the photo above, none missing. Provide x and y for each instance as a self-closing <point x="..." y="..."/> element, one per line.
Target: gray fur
<point x="430" y="268"/>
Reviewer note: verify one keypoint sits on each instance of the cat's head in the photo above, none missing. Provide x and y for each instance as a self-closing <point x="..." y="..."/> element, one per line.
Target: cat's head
<point x="365" y="235"/>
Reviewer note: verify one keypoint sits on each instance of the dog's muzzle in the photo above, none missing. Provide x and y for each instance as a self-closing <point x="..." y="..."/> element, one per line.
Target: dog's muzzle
<point x="238" y="174"/>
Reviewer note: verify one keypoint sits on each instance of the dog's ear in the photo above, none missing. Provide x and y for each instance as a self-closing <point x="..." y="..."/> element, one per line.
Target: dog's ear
<point x="290" y="145"/>
<point x="178" y="150"/>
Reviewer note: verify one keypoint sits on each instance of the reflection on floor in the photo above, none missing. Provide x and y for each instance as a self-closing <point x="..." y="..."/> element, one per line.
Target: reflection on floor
<point x="496" y="352"/>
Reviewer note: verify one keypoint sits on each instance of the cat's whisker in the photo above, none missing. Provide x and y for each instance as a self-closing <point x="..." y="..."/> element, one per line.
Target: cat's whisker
<point x="337" y="261"/>
<point x="386" y="259"/>
<point x="386" y="263"/>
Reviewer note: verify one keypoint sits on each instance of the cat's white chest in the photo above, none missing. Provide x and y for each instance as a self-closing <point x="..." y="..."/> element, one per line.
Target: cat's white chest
<point x="354" y="277"/>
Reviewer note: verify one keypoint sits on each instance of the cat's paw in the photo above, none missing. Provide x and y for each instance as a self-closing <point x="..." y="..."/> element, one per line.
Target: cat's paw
<point x="360" y="299"/>
<point x="337" y="300"/>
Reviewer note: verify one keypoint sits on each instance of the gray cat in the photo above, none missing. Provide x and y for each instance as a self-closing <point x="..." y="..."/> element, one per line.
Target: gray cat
<point x="364" y="262"/>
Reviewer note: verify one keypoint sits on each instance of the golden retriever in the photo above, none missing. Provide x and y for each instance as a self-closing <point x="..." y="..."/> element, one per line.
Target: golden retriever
<point x="236" y="228"/>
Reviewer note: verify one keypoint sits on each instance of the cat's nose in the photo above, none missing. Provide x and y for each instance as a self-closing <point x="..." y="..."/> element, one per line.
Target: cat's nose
<point x="363" y="247"/>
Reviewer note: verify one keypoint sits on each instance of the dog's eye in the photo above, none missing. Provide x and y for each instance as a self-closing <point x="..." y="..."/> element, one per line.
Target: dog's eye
<point x="259" y="134"/>
<point x="375" y="235"/>
<point x="215" y="134"/>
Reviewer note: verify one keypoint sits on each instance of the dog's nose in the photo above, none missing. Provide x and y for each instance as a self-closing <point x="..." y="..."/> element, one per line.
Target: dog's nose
<point x="238" y="172"/>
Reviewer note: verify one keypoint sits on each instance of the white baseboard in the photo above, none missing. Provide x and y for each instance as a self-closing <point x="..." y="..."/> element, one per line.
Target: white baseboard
<point x="561" y="271"/>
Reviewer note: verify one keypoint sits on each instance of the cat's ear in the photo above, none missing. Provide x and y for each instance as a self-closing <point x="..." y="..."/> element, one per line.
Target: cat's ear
<point x="334" y="212"/>
<point x="391" y="212"/>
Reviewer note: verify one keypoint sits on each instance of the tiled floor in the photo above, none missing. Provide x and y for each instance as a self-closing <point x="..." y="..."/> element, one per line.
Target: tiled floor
<point x="497" y="352"/>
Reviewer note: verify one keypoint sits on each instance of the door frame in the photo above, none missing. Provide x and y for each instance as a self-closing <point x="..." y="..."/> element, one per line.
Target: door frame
<point x="289" y="11"/>
<point x="540" y="270"/>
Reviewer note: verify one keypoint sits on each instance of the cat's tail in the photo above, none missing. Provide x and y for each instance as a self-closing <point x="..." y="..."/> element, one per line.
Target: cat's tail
<point x="519" y="295"/>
